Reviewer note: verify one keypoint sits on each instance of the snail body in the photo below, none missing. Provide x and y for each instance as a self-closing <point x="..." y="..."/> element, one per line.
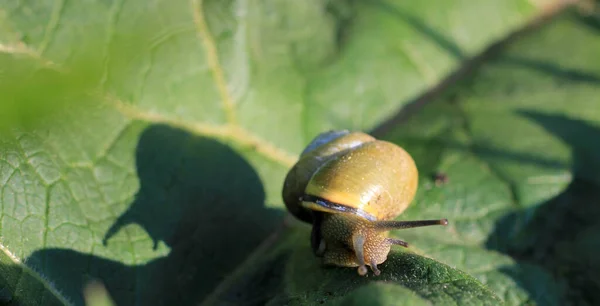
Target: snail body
<point x="350" y="187"/>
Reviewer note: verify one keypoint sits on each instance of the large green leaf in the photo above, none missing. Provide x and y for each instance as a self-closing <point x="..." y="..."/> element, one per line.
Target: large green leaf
<point x="144" y="144"/>
<point x="516" y="140"/>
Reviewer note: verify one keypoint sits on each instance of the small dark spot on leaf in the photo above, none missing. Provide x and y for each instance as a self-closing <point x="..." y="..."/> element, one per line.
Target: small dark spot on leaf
<point x="440" y="178"/>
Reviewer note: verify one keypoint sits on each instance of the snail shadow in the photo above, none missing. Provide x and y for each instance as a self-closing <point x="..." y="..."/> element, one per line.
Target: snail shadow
<point x="198" y="197"/>
<point x="561" y="235"/>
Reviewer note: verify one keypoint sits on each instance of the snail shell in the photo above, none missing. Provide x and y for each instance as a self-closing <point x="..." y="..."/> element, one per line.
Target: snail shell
<point x="351" y="186"/>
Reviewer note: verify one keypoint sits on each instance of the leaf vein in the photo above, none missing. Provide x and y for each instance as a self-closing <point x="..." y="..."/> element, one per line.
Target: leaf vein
<point x="213" y="60"/>
<point x="52" y="24"/>
<point x="22" y="49"/>
<point x="115" y="10"/>
<point x="228" y="132"/>
<point x="420" y="64"/>
<point x="27" y="158"/>
<point x="46" y="216"/>
<point x="103" y="153"/>
<point x="107" y="202"/>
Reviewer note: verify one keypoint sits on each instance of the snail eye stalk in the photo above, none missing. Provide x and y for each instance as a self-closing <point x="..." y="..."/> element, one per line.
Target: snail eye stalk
<point x="358" y="242"/>
<point x="395" y="225"/>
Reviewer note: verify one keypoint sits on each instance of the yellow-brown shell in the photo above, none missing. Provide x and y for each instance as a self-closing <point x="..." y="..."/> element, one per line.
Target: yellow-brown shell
<point x="324" y="147"/>
<point x="351" y="173"/>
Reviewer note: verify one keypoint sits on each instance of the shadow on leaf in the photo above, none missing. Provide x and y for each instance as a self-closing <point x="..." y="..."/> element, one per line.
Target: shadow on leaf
<point x="563" y="74"/>
<point x="561" y="234"/>
<point x="424" y="29"/>
<point x="196" y="195"/>
<point x="591" y="19"/>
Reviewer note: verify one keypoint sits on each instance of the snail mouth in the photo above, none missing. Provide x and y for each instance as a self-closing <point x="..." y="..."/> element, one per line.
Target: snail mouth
<point x="324" y="205"/>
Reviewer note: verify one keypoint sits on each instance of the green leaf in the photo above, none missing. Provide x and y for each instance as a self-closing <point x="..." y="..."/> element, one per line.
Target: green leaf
<point x="144" y="145"/>
<point x="21" y="286"/>
<point x="522" y="173"/>
<point x="290" y="274"/>
<point x="515" y="140"/>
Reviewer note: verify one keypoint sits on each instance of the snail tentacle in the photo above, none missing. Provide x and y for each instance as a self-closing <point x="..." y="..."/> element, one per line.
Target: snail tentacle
<point x="359" y="244"/>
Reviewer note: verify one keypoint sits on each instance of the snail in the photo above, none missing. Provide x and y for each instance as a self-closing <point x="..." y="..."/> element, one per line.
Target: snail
<point x="350" y="187"/>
